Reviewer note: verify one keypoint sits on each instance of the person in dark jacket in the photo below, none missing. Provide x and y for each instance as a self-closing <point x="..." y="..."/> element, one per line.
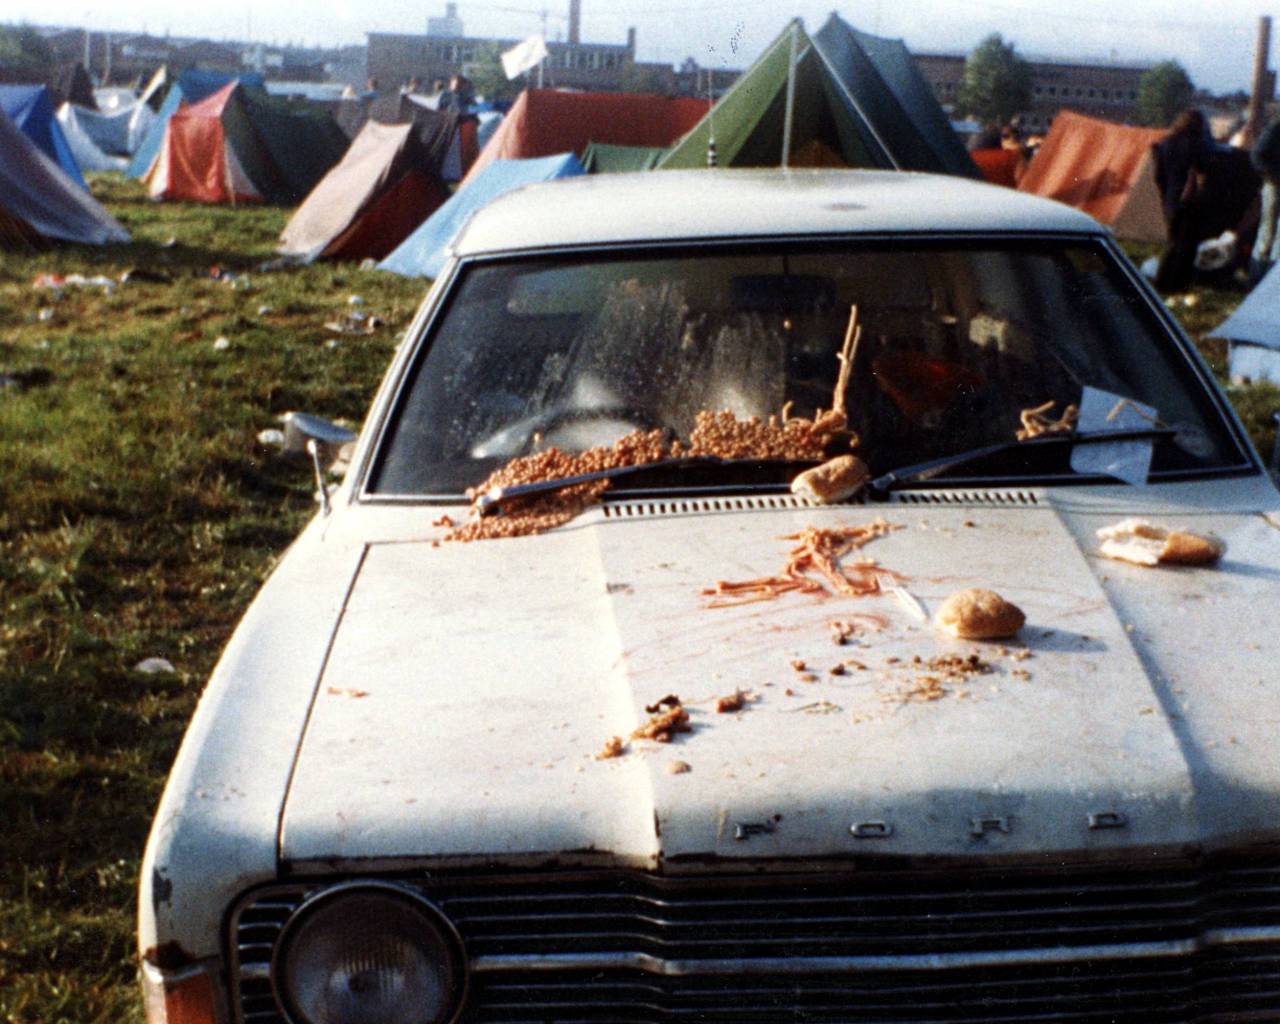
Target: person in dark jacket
<point x="1182" y="163"/>
<point x="1265" y="157"/>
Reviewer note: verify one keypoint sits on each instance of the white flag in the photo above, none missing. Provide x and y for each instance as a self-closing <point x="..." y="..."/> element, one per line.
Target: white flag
<point x="523" y="56"/>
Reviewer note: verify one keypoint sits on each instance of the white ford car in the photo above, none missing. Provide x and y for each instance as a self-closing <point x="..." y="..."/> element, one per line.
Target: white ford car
<point x="667" y="742"/>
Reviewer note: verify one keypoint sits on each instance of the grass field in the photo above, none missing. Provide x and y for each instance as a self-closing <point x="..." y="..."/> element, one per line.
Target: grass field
<point x="138" y="516"/>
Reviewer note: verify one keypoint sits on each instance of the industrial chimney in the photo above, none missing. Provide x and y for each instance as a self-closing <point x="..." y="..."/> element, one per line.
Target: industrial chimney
<point x="575" y="22"/>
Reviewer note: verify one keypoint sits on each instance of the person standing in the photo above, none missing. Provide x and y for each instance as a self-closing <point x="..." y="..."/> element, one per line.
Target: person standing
<point x="1182" y="163"/>
<point x="1265" y="157"/>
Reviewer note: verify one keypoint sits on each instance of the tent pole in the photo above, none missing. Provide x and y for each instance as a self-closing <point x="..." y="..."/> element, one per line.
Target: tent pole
<point x="789" y="116"/>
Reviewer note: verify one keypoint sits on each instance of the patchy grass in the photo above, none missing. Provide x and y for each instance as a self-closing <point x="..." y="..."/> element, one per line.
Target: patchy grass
<point x="138" y="516"/>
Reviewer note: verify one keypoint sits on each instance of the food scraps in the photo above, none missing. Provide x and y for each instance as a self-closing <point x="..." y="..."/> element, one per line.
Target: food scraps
<point x="813" y="567"/>
<point x="614" y="746"/>
<point x="733" y="702"/>
<point x="978" y="614"/>
<point x="936" y="676"/>
<point x="678" y="767"/>
<point x="862" y="622"/>
<point x="663" y="725"/>
<point x="1037" y="421"/>
<point x="1143" y="543"/>
<point x="669" y="701"/>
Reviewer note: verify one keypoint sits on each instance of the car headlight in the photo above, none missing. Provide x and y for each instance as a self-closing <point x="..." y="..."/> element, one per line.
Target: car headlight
<point x="368" y="953"/>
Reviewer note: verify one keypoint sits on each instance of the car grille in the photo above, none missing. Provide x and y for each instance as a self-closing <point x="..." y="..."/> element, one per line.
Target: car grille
<point x="1172" y="944"/>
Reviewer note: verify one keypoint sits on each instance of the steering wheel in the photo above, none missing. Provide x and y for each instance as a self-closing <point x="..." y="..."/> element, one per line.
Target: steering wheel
<point x="515" y="439"/>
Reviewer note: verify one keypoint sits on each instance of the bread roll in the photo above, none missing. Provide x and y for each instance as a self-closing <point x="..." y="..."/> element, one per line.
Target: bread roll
<point x="835" y="480"/>
<point x="978" y="614"/>
<point x="1143" y="543"/>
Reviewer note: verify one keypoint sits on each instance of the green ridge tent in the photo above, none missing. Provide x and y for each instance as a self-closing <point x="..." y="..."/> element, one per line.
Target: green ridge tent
<point x="604" y="158"/>
<point x="841" y="97"/>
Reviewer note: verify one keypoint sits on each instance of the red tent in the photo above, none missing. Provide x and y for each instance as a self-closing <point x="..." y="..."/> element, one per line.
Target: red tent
<point x="543" y="122"/>
<point x="999" y="166"/>
<point x="199" y="160"/>
<point x="242" y="144"/>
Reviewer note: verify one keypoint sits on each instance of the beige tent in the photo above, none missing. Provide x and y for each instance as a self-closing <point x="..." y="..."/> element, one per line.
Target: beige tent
<point x="1141" y="218"/>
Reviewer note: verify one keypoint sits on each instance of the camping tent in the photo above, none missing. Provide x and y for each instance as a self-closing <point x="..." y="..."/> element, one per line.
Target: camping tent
<point x="38" y="201"/>
<point x="1253" y="333"/>
<point x="1090" y="164"/>
<point x="191" y="87"/>
<point x="838" y="98"/>
<point x="422" y="254"/>
<point x="71" y="83"/>
<point x="241" y="144"/>
<point x="149" y="148"/>
<point x="542" y="122"/>
<point x="451" y="136"/>
<point x="603" y="158"/>
<point x="1141" y="215"/>
<point x="368" y="204"/>
<point x="31" y="110"/>
<point x="999" y="166"/>
<point x="119" y="131"/>
<point x="1108" y="171"/>
<point x="87" y="153"/>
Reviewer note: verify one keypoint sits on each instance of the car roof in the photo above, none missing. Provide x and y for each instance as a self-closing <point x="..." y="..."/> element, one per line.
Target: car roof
<point x="660" y="206"/>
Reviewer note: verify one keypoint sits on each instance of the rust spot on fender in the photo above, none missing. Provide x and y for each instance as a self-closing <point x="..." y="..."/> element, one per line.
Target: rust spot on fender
<point x="168" y="956"/>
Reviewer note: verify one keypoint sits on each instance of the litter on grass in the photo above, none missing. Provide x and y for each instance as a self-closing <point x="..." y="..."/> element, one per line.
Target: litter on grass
<point x="154" y="666"/>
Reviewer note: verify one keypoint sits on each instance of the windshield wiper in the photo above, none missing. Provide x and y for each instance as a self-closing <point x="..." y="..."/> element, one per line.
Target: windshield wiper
<point x="927" y="470"/>
<point x="489" y="501"/>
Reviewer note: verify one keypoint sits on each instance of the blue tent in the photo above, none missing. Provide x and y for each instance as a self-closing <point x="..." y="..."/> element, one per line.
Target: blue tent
<point x="150" y="145"/>
<point x="31" y="110"/>
<point x="422" y="254"/>
<point x="191" y="86"/>
<point x="1253" y="333"/>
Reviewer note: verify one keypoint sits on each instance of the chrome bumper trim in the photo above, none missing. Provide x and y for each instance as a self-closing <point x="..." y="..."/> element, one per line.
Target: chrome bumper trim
<point x="867" y="964"/>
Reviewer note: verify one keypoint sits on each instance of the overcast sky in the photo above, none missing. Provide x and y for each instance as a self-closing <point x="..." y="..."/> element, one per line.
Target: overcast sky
<point x="1214" y="42"/>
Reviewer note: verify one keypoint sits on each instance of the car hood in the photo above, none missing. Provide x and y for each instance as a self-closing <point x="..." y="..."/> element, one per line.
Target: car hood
<point x="470" y="688"/>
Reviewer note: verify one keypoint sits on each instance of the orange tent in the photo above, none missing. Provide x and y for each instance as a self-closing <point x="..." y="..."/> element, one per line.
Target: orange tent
<point x="1090" y="164"/>
<point x="544" y="122"/>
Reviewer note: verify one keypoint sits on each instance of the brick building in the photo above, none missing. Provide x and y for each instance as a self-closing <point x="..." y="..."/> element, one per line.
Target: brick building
<point x="1108" y="91"/>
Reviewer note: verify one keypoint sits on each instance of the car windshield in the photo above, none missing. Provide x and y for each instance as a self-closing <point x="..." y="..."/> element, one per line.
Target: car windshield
<point x="959" y="340"/>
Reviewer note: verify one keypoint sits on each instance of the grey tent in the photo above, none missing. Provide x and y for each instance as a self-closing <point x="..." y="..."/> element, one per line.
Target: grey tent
<point x="839" y="98"/>
<point x="38" y="201"/>
<point x="1253" y="333"/>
